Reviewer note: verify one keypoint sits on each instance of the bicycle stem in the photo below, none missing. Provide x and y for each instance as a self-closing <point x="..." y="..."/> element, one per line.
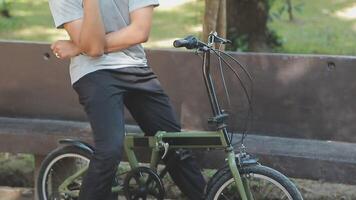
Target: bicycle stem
<point x="214" y="102"/>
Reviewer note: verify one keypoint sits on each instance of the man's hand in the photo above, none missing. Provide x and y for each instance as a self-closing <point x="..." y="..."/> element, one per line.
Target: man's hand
<point x="64" y="49"/>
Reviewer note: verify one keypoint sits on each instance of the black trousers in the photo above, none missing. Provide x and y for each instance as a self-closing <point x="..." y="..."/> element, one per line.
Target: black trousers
<point x="103" y="94"/>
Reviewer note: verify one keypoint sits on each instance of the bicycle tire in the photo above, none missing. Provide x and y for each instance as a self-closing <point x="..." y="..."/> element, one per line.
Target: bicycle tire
<point x="50" y="160"/>
<point x="224" y="178"/>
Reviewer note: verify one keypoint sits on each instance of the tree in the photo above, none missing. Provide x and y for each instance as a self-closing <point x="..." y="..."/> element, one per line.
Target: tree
<point x="5" y="8"/>
<point x="247" y="25"/>
<point x="242" y="21"/>
<point x="290" y="9"/>
<point x="214" y="18"/>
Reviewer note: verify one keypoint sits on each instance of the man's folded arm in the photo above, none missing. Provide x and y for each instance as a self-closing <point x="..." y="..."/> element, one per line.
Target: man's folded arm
<point x="136" y="32"/>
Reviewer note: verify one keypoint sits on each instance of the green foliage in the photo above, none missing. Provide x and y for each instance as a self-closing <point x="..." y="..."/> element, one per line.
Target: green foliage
<point x="273" y="39"/>
<point x="285" y="7"/>
<point x="177" y="22"/>
<point x="318" y="29"/>
<point x="5" y="6"/>
<point x="16" y="170"/>
<point x="32" y="21"/>
<point x="241" y="42"/>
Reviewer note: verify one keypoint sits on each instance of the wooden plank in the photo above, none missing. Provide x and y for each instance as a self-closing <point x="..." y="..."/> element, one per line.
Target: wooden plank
<point x="312" y="159"/>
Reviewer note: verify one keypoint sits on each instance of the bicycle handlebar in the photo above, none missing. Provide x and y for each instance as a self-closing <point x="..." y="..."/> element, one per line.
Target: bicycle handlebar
<point x="189" y="42"/>
<point x="180" y="43"/>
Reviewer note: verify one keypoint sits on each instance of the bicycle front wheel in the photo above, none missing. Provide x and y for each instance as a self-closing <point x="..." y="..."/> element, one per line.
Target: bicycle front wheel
<point x="263" y="182"/>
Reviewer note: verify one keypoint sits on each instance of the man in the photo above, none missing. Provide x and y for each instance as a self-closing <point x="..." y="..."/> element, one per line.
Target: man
<point x="109" y="70"/>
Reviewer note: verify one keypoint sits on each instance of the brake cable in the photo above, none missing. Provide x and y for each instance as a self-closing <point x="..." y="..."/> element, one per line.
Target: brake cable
<point x="249" y="98"/>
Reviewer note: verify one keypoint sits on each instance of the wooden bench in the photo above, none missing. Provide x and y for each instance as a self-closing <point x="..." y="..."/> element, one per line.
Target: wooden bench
<point x="299" y="158"/>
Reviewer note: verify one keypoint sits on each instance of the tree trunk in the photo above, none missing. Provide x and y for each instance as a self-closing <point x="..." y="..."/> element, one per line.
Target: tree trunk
<point x="290" y="10"/>
<point x="214" y="18"/>
<point x="248" y="19"/>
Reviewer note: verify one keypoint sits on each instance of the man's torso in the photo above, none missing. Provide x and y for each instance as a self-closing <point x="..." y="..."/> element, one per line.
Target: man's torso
<point x="115" y="15"/>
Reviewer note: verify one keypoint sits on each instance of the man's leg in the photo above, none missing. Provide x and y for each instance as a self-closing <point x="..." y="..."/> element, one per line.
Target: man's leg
<point x="104" y="107"/>
<point x="153" y="112"/>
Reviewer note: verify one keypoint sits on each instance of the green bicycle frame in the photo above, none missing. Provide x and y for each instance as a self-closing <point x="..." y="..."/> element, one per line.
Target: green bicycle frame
<point x="175" y="140"/>
<point x="185" y="140"/>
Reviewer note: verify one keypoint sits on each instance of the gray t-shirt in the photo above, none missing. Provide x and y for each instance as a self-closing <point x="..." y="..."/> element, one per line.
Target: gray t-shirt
<point x="115" y="15"/>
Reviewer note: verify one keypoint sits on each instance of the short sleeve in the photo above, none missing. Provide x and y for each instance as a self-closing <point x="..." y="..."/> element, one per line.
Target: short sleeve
<point x="137" y="4"/>
<point x="64" y="11"/>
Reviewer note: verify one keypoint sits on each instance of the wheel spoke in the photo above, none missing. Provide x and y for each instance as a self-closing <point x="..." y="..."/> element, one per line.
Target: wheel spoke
<point x="149" y="180"/>
<point x="58" y="170"/>
<point x="264" y="184"/>
<point x="153" y="192"/>
<point x="136" y="197"/>
<point x="224" y="197"/>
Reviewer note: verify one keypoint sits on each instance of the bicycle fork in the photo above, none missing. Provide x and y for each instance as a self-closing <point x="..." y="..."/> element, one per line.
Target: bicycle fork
<point x="241" y="182"/>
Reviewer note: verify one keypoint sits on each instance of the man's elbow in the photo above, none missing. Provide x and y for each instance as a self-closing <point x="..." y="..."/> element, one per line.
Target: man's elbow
<point x="93" y="48"/>
<point x="94" y="52"/>
<point x="144" y="37"/>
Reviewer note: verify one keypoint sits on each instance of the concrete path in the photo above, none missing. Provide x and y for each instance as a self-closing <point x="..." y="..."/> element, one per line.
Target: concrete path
<point x="8" y="193"/>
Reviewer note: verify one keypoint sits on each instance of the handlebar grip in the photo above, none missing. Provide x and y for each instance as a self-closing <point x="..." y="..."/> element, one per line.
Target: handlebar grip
<point x="180" y="43"/>
<point x="189" y="42"/>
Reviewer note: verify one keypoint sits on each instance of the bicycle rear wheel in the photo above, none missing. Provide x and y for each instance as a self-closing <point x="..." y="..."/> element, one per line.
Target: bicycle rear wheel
<point x="56" y="168"/>
<point x="265" y="184"/>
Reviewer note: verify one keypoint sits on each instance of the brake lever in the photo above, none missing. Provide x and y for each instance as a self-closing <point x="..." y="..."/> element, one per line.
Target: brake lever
<point x="214" y="38"/>
<point x="166" y="147"/>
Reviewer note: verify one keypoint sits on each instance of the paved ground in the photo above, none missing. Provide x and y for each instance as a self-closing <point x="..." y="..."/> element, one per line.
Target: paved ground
<point x="7" y="193"/>
<point x="312" y="190"/>
<point x="318" y="190"/>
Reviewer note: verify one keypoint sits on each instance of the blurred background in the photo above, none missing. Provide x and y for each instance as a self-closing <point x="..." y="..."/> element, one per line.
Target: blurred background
<point x="288" y="26"/>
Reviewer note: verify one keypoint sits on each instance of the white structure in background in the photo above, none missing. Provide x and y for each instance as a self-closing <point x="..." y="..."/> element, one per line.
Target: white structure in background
<point x="169" y="4"/>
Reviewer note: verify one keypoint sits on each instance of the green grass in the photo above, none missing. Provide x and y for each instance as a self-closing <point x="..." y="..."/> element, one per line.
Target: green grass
<point x="32" y="21"/>
<point x="176" y="23"/>
<point x="316" y="30"/>
<point x="16" y="170"/>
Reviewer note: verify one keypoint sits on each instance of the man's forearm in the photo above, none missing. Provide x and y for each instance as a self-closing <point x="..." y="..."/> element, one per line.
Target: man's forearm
<point x="117" y="41"/>
<point x="125" y="38"/>
<point x="92" y="34"/>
